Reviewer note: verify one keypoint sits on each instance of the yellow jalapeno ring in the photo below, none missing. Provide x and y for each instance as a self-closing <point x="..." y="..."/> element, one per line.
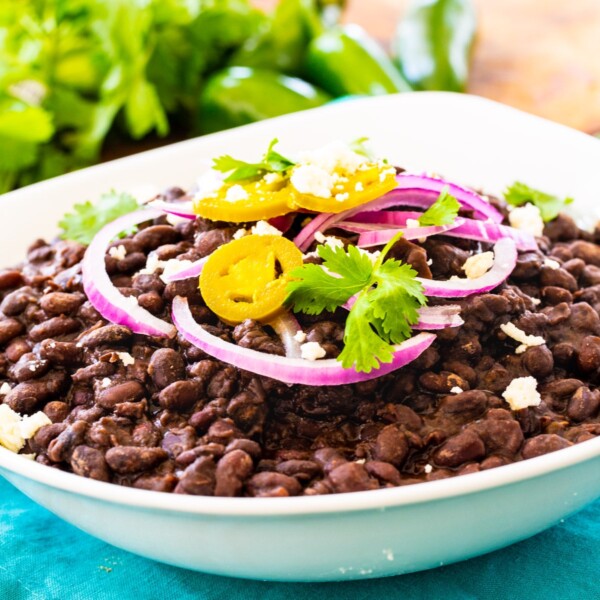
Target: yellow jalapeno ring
<point x="247" y="278"/>
<point x="351" y="190"/>
<point x="250" y="201"/>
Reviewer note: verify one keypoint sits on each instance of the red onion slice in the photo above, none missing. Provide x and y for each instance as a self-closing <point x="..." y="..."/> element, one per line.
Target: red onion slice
<point x="439" y="317"/>
<point x="470" y="229"/>
<point x="423" y="191"/>
<point x="430" y="317"/>
<point x="505" y="259"/>
<point x="289" y="370"/>
<point x="369" y="239"/>
<point x="304" y="239"/>
<point x="104" y="296"/>
<point x="193" y="270"/>
<point x="286" y="325"/>
<point x="178" y="209"/>
<point x="412" y="190"/>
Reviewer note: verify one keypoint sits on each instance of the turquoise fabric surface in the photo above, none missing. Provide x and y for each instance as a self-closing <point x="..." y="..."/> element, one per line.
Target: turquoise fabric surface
<point x="43" y="558"/>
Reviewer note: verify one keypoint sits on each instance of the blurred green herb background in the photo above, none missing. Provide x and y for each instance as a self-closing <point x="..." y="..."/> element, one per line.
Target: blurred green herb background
<point x="81" y="77"/>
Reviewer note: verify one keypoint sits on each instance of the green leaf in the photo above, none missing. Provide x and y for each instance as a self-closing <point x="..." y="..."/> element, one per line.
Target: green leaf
<point x="239" y="170"/>
<point x="363" y="349"/>
<point x="520" y="193"/>
<point x="388" y="296"/>
<point x="434" y="42"/>
<point x="396" y="310"/>
<point x="442" y="212"/>
<point x="359" y="146"/>
<point x="87" y="219"/>
<point x="352" y="265"/>
<point x="26" y="123"/>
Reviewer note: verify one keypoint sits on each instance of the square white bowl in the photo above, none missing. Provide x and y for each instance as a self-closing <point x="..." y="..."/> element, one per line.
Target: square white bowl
<point x="344" y="536"/>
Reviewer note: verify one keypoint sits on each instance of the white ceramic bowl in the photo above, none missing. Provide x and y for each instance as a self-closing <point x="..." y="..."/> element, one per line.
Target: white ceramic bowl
<point x="345" y="536"/>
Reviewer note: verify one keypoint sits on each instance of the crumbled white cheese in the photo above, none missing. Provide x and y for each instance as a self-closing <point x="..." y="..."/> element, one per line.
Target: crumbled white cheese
<point x="173" y="266"/>
<point x="522" y="392"/>
<point x="29" y="425"/>
<point x="5" y="388"/>
<point x="240" y="233"/>
<point x="428" y="468"/>
<point x="526" y="341"/>
<point x="384" y="174"/>
<point x="271" y="178"/>
<point x="429" y="261"/>
<point x="360" y="461"/>
<point x="300" y="336"/>
<point x="105" y="382"/>
<point x="264" y="228"/>
<point x="456" y="390"/>
<point x="312" y="351"/>
<point x="333" y="157"/>
<point x="527" y="218"/>
<point x="328" y="240"/>
<point x="551" y="264"/>
<point x="478" y="265"/>
<point x="153" y="263"/>
<point x="33" y="367"/>
<point x="236" y="193"/>
<point x="412" y="223"/>
<point x="118" y="252"/>
<point x="314" y="180"/>
<point x="342" y="197"/>
<point x="126" y="358"/>
<point x="16" y="430"/>
<point x="536" y="301"/>
<point x="359" y="187"/>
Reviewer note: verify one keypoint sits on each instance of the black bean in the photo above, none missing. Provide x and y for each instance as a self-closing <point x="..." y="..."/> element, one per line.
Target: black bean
<point x="128" y="391"/>
<point x="107" y="335"/>
<point x="133" y="459"/>
<point x="89" y="462"/>
<point x="166" y="367"/>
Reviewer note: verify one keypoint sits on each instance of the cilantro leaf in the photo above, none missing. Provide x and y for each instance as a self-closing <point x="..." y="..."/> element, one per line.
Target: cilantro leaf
<point x="364" y="348"/>
<point x="360" y="146"/>
<point x="87" y="219"/>
<point x="239" y="170"/>
<point x="442" y="212"/>
<point x="314" y="289"/>
<point x="388" y="297"/>
<point x="520" y="193"/>
<point x="395" y="312"/>
<point x="351" y="264"/>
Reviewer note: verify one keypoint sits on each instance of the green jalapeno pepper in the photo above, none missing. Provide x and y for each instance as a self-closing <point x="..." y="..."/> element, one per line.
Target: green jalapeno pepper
<point x="241" y="95"/>
<point x="433" y="44"/>
<point x="347" y="61"/>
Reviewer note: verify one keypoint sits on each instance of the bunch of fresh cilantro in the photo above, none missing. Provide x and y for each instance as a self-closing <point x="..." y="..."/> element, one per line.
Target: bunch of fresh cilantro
<point x="74" y="72"/>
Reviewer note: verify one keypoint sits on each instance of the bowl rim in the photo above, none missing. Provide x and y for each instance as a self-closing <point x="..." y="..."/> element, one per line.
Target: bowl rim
<point x="419" y="493"/>
<point x="424" y="492"/>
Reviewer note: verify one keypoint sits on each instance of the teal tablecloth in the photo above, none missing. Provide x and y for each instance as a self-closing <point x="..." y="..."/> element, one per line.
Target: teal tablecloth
<point x="43" y="558"/>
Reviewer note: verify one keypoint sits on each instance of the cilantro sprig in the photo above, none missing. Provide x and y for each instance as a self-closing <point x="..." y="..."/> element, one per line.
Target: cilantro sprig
<point x="388" y="297"/>
<point x="239" y="170"/>
<point x="442" y="212"/>
<point x="88" y="219"/>
<point x="520" y="193"/>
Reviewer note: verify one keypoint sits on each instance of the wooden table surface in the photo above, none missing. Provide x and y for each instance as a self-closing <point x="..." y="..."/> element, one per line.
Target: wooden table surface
<point x="542" y="56"/>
